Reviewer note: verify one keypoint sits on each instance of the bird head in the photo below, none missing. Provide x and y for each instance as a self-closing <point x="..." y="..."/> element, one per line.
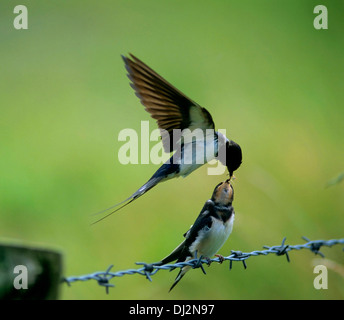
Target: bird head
<point x="233" y="156"/>
<point x="223" y="193"/>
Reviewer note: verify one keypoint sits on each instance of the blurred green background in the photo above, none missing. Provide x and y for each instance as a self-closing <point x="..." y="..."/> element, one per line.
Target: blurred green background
<point x="262" y="70"/>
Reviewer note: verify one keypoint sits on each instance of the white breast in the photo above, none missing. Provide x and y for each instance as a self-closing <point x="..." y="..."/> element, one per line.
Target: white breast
<point x="210" y="241"/>
<point x="197" y="153"/>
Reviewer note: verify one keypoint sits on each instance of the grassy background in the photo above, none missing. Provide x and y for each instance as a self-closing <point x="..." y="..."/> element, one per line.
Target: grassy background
<point x="262" y="70"/>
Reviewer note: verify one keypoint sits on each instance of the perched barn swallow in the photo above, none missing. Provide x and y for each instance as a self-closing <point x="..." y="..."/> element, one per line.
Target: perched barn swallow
<point x="209" y="232"/>
<point x="175" y="113"/>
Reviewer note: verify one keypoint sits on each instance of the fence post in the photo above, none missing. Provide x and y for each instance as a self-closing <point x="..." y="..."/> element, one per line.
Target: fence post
<point x="29" y="273"/>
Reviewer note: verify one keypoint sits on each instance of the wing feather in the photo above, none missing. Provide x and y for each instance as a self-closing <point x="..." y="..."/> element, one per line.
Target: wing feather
<point x="165" y="103"/>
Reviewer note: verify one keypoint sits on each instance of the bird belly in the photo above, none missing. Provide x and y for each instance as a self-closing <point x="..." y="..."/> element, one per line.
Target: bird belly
<point x="186" y="169"/>
<point x="210" y="241"/>
<point x="197" y="153"/>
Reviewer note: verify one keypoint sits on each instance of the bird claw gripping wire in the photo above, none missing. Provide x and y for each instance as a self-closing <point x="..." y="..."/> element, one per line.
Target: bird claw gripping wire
<point x="280" y="250"/>
<point x="315" y="246"/>
<point x="237" y="256"/>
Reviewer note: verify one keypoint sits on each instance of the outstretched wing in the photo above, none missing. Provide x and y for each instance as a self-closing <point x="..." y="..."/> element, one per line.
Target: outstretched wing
<point x="170" y="107"/>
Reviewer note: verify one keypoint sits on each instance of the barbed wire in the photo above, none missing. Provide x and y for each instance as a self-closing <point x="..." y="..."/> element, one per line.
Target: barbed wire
<point x="148" y="270"/>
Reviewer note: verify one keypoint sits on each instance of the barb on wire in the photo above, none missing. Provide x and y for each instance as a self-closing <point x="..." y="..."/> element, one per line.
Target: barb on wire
<point x="148" y="270"/>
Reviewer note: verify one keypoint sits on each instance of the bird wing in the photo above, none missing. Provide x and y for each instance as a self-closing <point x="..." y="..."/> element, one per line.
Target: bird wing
<point x="165" y="103"/>
<point x="182" y="251"/>
<point x="203" y="221"/>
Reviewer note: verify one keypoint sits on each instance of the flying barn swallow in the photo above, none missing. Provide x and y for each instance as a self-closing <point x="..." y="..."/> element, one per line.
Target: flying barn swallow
<point x="175" y="112"/>
<point x="209" y="232"/>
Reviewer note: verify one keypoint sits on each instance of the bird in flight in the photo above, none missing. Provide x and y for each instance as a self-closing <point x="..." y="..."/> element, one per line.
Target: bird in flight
<point x="209" y="232"/>
<point x="177" y="117"/>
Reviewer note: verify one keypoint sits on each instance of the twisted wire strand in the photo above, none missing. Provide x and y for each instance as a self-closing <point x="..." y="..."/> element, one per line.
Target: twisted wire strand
<point x="148" y="270"/>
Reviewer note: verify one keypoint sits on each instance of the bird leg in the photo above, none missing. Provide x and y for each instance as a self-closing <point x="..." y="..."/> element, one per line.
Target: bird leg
<point x="221" y="258"/>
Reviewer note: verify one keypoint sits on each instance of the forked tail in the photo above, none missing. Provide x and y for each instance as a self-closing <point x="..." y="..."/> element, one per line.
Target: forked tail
<point x="146" y="187"/>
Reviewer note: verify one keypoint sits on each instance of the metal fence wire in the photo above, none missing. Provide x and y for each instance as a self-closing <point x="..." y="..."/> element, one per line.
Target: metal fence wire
<point x="148" y="270"/>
